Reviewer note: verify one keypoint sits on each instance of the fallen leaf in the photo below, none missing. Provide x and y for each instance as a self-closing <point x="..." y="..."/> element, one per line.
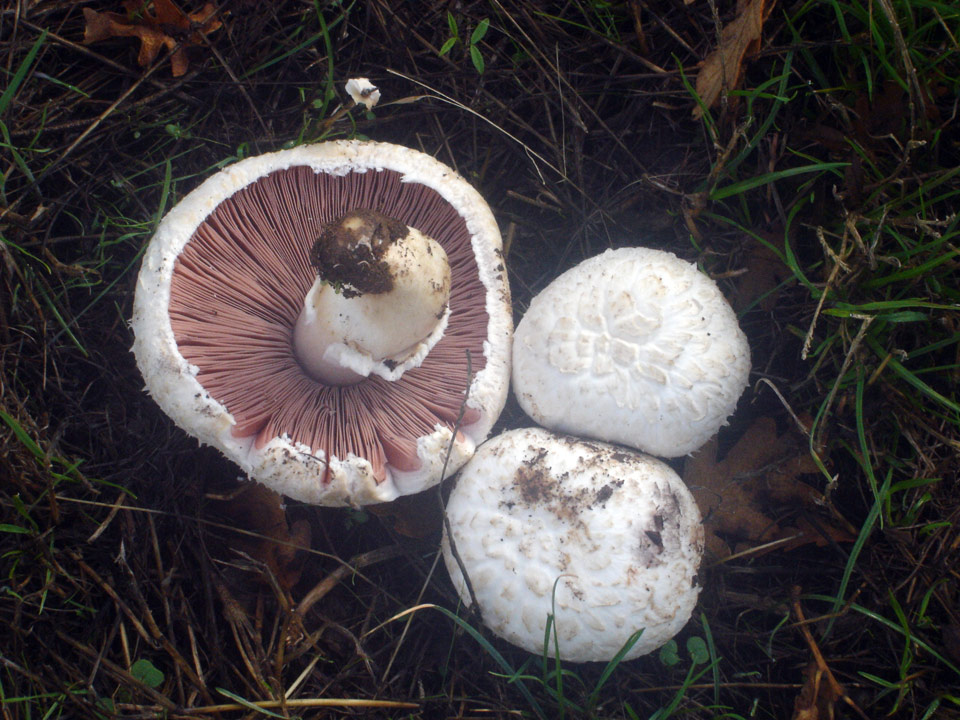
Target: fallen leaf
<point x="414" y="516"/>
<point x="761" y="474"/>
<point x="739" y="40"/>
<point x="263" y="532"/>
<point x="872" y="130"/>
<point x="167" y="26"/>
<point x="764" y="273"/>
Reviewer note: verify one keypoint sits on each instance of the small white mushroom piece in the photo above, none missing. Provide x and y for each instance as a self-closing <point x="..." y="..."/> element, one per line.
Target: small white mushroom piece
<point x="607" y="539"/>
<point x="633" y="346"/>
<point x="363" y="92"/>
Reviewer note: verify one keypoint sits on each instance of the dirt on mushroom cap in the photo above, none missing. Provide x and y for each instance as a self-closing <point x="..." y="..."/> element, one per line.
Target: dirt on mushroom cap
<point x="610" y="541"/>
<point x="350" y="249"/>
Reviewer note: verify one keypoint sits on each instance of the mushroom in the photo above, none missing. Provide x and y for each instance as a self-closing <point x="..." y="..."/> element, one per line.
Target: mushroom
<point x="633" y="346"/>
<point x="363" y="92"/>
<point x="249" y="334"/>
<point x="608" y="540"/>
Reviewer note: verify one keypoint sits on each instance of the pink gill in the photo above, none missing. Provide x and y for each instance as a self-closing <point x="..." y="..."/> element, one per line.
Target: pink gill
<point x="237" y="290"/>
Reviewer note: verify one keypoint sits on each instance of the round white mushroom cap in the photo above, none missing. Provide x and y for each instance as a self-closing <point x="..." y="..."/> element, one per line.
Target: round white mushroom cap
<point x="607" y="539"/>
<point x="223" y="282"/>
<point x="633" y="346"/>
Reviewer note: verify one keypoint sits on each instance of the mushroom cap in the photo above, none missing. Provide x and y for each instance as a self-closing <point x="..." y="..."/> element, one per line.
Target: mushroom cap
<point x="607" y="539"/>
<point x="633" y="346"/>
<point x="222" y="284"/>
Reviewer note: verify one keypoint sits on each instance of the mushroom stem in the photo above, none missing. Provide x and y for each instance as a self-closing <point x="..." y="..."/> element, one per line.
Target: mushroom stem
<point x="380" y="299"/>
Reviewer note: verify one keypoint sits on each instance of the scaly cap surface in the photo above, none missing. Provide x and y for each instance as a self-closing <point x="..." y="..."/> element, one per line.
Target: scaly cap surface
<point x="616" y="532"/>
<point x="633" y="346"/>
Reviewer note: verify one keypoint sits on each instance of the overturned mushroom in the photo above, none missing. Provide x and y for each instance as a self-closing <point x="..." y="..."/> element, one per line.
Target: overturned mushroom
<point x="633" y="346"/>
<point x="240" y="338"/>
<point x="607" y="539"/>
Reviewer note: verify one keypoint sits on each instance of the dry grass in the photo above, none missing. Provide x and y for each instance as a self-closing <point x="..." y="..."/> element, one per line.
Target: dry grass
<point x="580" y="136"/>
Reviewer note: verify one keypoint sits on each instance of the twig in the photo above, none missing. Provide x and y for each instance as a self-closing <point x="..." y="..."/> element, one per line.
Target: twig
<point x="446" y="520"/>
<point x="344" y="571"/>
<point x="835" y="687"/>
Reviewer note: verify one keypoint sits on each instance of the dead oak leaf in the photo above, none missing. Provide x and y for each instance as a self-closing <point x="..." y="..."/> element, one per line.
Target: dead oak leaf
<point x="167" y="26"/>
<point x="761" y="472"/>
<point x="739" y="39"/>
<point x="415" y="516"/>
<point x="262" y="532"/>
<point x="765" y="272"/>
<point x="821" y="690"/>
<point x="817" y="697"/>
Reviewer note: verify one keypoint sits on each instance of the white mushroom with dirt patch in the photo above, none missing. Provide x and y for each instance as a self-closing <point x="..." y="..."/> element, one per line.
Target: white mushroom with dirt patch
<point x="607" y="539"/>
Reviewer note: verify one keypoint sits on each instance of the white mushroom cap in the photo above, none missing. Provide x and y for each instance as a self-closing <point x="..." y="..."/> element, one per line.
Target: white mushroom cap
<point x="617" y="533"/>
<point x="222" y="284"/>
<point x="633" y="346"/>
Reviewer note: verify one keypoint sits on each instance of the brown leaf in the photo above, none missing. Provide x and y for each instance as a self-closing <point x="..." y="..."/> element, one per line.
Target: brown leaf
<point x="765" y="272"/>
<point x="414" y="516"/>
<point x="821" y="690"/>
<point x="167" y="26"/>
<point x="101" y="26"/>
<point x="264" y="535"/>
<point x="165" y="12"/>
<point x="817" y="697"/>
<point x="738" y="40"/>
<point x="760" y="473"/>
<point x="874" y="128"/>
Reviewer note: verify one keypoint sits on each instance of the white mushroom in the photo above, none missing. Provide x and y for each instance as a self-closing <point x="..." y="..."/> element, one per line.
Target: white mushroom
<point x="225" y="279"/>
<point x="362" y="91"/>
<point x="610" y="540"/>
<point x="633" y="346"/>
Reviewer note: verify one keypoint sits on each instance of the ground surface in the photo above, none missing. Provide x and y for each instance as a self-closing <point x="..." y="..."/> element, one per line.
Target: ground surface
<point x="819" y="189"/>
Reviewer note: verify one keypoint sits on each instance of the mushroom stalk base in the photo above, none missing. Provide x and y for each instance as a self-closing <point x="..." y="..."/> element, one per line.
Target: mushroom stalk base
<point x="345" y="334"/>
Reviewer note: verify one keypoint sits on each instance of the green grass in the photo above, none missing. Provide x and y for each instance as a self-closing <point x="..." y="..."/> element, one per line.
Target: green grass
<point x="870" y="246"/>
<point x="563" y="691"/>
